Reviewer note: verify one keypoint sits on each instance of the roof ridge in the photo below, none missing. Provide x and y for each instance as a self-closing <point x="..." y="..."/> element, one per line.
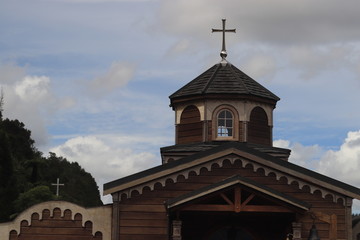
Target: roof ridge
<point x="242" y="82"/>
<point x="247" y="78"/>
<point x="211" y="78"/>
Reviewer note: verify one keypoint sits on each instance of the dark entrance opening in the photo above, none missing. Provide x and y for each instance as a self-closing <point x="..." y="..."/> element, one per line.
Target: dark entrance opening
<point x="235" y="226"/>
<point x="231" y="233"/>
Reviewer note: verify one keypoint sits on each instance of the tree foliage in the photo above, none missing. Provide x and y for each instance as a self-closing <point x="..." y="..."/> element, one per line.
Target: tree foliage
<point x="26" y="176"/>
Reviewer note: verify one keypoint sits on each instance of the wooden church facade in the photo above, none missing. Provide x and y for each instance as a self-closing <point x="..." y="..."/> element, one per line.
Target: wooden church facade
<point x="223" y="179"/>
<point x="256" y="202"/>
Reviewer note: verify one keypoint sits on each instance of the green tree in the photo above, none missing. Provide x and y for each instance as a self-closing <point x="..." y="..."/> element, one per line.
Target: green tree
<point x="8" y="190"/>
<point x="79" y="186"/>
<point x="1" y="102"/>
<point x="26" y="176"/>
<point x="33" y="196"/>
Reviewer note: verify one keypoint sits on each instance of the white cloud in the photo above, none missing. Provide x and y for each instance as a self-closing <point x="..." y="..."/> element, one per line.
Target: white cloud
<point x="181" y="46"/>
<point x="189" y="17"/>
<point x="344" y="164"/>
<point x="11" y="73"/>
<point x="109" y="157"/>
<point x="29" y="99"/>
<point x="33" y="88"/>
<point x="315" y="37"/>
<point x="314" y="60"/>
<point x="119" y="74"/>
<point x="99" y="1"/>
<point x="281" y="143"/>
<point x="276" y="21"/>
<point x="261" y="66"/>
<point x="305" y="156"/>
<point x="26" y="98"/>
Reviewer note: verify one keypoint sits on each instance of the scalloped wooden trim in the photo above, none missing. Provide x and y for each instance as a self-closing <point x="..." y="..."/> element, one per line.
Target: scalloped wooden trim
<point x="244" y="162"/>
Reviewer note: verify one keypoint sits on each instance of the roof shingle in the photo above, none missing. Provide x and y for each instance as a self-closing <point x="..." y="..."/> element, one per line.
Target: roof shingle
<point x="224" y="79"/>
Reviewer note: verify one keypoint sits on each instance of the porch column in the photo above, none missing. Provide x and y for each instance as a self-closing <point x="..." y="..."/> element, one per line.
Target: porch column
<point x="296" y="228"/>
<point x="348" y="218"/>
<point x="176" y="230"/>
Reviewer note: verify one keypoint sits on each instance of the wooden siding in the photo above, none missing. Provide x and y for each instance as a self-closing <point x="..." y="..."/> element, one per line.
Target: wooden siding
<point x="190" y="128"/>
<point x="144" y="216"/>
<point x="259" y="130"/>
<point x="241" y="132"/>
<point x="209" y="131"/>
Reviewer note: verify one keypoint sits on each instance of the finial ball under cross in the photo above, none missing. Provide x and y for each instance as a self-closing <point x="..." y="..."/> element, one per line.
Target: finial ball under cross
<point x="223" y="52"/>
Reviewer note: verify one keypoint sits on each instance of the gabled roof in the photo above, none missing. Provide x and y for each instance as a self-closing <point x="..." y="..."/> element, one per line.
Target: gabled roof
<point x="224" y="78"/>
<point x="226" y="149"/>
<point x="236" y="180"/>
<point x="191" y="148"/>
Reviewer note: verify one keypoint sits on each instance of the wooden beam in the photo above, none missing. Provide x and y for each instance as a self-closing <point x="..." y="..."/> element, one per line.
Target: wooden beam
<point x="331" y="220"/>
<point x="333" y="227"/>
<point x="209" y="207"/>
<point x="226" y="199"/>
<point x="237" y="196"/>
<point x="229" y="208"/>
<point x="248" y="200"/>
<point x="264" y="208"/>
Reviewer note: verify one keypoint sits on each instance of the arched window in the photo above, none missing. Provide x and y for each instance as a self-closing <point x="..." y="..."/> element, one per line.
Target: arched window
<point x="225" y="123"/>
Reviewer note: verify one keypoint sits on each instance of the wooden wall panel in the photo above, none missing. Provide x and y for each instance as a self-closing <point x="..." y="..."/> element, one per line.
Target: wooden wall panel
<point x="259" y="130"/>
<point x="190" y="115"/>
<point x="190" y="128"/>
<point x="241" y="132"/>
<point x="188" y="133"/>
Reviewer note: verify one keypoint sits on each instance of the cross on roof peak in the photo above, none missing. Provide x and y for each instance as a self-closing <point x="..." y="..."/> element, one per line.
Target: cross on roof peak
<point x="223" y="52"/>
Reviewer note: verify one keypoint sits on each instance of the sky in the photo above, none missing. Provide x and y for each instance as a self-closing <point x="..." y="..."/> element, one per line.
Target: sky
<point x="91" y="78"/>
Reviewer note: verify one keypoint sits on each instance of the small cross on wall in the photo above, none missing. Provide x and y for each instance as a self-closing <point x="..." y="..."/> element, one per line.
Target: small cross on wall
<point x="57" y="184"/>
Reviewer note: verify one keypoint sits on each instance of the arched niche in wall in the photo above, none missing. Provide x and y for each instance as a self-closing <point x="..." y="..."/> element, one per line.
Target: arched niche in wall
<point x="190" y="128"/>
<point x="259" y="131"/>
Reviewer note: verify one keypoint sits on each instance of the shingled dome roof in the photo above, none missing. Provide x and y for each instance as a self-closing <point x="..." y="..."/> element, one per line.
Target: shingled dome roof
<point x="224" y="78"/>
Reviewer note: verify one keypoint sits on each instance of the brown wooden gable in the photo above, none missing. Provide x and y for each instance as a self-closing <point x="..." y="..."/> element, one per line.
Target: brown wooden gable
<point x="143" y="215"/>
<point x="237" y="194"/>
<point x="232" y="152"/>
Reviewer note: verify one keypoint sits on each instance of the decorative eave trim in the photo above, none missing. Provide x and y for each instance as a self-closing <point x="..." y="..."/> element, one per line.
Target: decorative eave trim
<point x="293" y="175"/>
<point x="167" y="172"/>
<point x="280" y="168"/>
<point x="241" y="97"/>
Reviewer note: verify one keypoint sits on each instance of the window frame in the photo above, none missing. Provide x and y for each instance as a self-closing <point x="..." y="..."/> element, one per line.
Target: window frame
<point x="222" y="131"/>
<point x="235" y="123"/>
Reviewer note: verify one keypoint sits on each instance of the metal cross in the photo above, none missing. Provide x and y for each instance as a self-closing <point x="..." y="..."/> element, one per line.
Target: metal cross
<point x="57" y="184"/>
<point x="223" y="53"/>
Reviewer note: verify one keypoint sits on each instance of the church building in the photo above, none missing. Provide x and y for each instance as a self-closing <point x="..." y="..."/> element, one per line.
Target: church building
<point x="223" y="179"/>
